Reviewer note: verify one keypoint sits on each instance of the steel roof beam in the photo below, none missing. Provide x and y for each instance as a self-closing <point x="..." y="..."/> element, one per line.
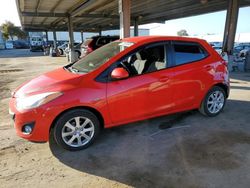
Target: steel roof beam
<point x="53" y="9"/>
<point x="77" y="10"/>
<point x="43" y="14"/>
<point x="64" y="15"/>
<point x="75" y="7"/>
<point x="37" y="5"/>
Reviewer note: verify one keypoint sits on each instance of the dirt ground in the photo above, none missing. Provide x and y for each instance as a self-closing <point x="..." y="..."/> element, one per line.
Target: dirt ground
<point x="196" y="151"/>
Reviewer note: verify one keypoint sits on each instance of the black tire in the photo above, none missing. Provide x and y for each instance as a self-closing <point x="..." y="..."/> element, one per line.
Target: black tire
<point x="69" y="116"/>
<point x="204" y="109"/>
<point x="61" y="51"/>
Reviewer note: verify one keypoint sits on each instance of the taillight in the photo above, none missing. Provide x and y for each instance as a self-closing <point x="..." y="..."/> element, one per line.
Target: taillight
<point x="90" y="46"/>
<point x="224" y="62"/>
<point x="89" y="50"/>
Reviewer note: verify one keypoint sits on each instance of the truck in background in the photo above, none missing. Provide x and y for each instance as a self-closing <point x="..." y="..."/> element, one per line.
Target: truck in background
<point x="36" y="43"/>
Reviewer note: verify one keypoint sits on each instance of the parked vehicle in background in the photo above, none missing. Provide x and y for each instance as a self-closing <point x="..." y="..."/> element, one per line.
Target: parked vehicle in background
<point x="21" y="44"/>
<point x="96" y="42"/>
<point x="62" y="47"/>
<point x="2" y="46"/>
<point x="9" y="44"/>
<point x="217" y="46"/>
<point x="241" y="47"/>
<point x="77" y="49"/>
<point x="36" y="43"/>
<point x="127" y="80"/>
<point x="218" y="49"/>
<point x="243" y="52"/>
<point x="61" y="42"/>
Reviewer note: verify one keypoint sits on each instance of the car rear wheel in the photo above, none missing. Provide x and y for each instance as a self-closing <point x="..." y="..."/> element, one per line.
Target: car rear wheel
<point x="61" y="51"/>
<point x="76" y="129"/>
<point x="214" y="102"/>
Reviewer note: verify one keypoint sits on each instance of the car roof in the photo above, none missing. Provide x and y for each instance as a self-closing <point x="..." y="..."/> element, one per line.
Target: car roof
<point x="160" y="38"/>
<point x="105" y="36"/>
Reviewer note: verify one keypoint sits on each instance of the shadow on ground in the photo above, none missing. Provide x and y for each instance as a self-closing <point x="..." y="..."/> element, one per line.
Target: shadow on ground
<point x="166" y="151"/>
<point x="241" y="76"/>
<point x="16" y="53"/>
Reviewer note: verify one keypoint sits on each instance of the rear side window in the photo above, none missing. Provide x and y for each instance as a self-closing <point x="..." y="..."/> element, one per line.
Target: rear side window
<point x="102" y="41"/>
<point x="186" y="52"/>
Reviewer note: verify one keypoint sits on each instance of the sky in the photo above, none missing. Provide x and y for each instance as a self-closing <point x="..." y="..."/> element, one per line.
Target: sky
<point x="8" y="11"/>
<point x="212" y="23"/>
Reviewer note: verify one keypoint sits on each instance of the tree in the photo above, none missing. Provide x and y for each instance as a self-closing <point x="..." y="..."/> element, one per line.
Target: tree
<point x="182" y="32"/>
<point x="9" y="30"/>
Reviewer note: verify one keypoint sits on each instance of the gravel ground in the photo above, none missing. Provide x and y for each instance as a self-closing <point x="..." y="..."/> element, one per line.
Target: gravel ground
<point x="196" y="151"/>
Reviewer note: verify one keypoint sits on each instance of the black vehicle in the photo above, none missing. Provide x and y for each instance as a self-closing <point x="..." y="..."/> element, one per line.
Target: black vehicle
<point x="21" y="44"/>
<point x="96" y="42"/>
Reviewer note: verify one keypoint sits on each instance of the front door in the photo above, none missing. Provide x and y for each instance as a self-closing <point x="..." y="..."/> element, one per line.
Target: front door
<point x="147" y="92"/>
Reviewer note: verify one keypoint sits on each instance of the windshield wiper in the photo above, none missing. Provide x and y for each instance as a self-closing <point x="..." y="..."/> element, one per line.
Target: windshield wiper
<point x="72" y="69"/>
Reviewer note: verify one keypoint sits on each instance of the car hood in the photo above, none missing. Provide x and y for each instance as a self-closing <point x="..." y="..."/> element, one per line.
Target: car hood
<point x="57" y="80"/>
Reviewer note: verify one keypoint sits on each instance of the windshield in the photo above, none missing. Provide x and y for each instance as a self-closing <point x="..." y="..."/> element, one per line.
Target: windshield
<point x="98" y="57"/>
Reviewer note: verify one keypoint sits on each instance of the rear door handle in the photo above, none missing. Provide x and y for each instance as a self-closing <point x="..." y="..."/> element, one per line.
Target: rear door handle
<point x="164" y="79"/>
<point x="208" y="67"/>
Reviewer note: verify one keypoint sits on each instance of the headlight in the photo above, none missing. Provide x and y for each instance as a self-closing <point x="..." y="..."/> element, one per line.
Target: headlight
<point x="34" y="101"/>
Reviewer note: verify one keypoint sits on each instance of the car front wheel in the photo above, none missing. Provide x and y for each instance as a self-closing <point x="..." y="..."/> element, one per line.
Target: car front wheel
<point x="214" y="102"/>
<point x="76" y="129"/>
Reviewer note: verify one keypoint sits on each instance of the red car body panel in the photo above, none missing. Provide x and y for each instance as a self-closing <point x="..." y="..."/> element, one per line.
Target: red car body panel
<point x="140" y="97"/>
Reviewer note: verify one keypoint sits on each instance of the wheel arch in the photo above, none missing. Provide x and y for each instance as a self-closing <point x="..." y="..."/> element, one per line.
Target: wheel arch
<point x="91" y="109"/>
<point x="221" y="85"/>
<point x="224" y="87"/>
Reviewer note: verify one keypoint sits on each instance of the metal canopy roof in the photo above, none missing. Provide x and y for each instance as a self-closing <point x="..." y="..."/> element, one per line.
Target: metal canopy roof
<point x="95" y="15"/>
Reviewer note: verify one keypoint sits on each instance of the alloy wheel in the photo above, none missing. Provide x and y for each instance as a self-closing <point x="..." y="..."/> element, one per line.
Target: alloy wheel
<point x="78" y="131"/>
<point x="215" y="102"/>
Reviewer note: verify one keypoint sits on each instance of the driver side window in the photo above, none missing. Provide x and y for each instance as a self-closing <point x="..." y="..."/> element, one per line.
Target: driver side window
<point x="146" y="60"/>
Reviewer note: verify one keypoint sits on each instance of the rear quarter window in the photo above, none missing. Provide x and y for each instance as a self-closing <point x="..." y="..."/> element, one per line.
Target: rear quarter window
<point x="102" y="41"/>
<point x="187" y="52"/>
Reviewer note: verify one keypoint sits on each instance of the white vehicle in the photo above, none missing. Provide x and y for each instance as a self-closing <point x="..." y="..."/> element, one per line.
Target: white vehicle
<point x="62" y="47"/>
<point x="36" y="43"/>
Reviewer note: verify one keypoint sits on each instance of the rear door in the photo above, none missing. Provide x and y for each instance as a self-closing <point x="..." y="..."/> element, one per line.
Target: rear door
<point x="189" y="61"/>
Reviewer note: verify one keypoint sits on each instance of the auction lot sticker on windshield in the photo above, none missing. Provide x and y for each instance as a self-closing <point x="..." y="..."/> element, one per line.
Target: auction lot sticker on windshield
<point x="126" y="44"/>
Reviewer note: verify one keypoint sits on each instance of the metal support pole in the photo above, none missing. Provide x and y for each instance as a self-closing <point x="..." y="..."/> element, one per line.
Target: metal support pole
<point x="124" y="11"/>
<point x="230" y="26"/>
<point x="46" y="35"/>
<point x="82" y="36"/>
<point x="136" y="27"/>
<point x="100" y="32"/>
<point x="230" y="30"/>
<point x="72" y="57"/>
<point x="54" y="39"/>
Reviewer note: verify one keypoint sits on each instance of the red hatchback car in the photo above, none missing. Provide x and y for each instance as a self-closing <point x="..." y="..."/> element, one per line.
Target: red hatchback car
<point x="124" y="81"/>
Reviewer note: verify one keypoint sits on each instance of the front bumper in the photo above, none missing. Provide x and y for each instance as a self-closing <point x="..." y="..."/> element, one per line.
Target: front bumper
<point x="41" y="117"/>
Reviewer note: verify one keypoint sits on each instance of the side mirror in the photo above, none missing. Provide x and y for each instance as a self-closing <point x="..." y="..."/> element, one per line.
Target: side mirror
<point x="119" y="73"/>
